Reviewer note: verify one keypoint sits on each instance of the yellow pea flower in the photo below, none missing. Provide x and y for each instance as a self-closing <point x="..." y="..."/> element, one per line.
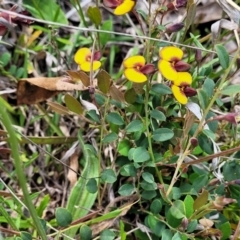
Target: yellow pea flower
<point x="120" y="7"/>
<point x="136" y="69"/>
<point x="170" y="62"/>
<point x="181" y="87"/>
<point x="83" y="58"/>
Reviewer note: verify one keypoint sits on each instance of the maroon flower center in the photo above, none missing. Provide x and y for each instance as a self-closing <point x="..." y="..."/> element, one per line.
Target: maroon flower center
<point x="138" y="67"/>
<point x="88" y="58"/>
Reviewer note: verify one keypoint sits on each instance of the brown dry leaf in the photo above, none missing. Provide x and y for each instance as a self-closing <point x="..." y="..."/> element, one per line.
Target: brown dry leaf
<point x="79" y="76"/>
<point x="34" y="90"/>
<point x="31" y="94"/>
<point x="98" y="228"/>
<point x="58" y="108"/>
<point x="116" y="94"/>
<point x="62" y="83"/>
<point x="206" y="222"/>
<point x="72" y="176"/>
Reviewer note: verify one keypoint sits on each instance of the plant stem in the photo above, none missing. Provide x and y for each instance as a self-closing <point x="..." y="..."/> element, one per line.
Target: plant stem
<point x="20" y="172"/>
<point x="101" y="193"/>
<point x="150" y="149"/>
<point x="199" y="128"/>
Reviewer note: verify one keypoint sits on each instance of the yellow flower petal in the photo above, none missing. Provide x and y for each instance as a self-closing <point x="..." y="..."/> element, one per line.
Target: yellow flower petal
<point x="124" y="8"/>
<point x="171" y="53"/>
<point x="134" y="76"/>
<point x="86" y="66"/>
<point x="133" y="61"/>
<point x="179" y="94"/>
<point x="167" y="70"/>
<point x="81" y="55"/>
<point x="183" y="79"/>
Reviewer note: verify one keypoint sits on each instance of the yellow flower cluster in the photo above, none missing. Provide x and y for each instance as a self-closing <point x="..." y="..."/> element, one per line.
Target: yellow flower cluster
<point x="170" y="66"/>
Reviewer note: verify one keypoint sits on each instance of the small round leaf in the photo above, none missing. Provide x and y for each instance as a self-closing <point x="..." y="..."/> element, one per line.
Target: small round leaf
<point x="63" y="217"/>
<point x="162" y="134"/>
<point x="92" y="185"/>
<point x="108" y="176"/>
<point x="126" y="189"/>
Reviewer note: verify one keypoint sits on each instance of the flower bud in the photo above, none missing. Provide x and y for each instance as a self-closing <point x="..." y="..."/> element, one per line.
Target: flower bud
<point x="184" y="223"/>
<point x="194" y="141"/>
<point x="189" y="92"/>
<point x="181" y="66"/>
<point x="111" y="3"/>
<point x="229" y="117"/>
<point x="198" y="55"/>
<point x="96" y="55"/>
<point x="174" y="27"/>
<point x="181" y="3"/>
<point x="148" y="69"/>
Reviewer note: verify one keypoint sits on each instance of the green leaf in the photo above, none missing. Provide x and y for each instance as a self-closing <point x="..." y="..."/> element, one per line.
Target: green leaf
<point x="104" y="81"/>
<point x="111" y="137"/>
<point x="105" y="37"/>
<point x="162" y="134"/>
<point x="63" y="217"/>
<point x="43" y="205"/>
<point x="205" y="143"/>
<point x="85" y="233"/>
<point x="192" y="226"/>
<point x="161" y="89"/>
<point x="147" y="186"/>
<point x="93" y="115"/>
<point x="26" y="236"/>
<point x="203" y="98"/>
<point x="225" y="228"/>
<point x="124" y="147"/>
<point x="148" y="177"/>
<point x="208" y="87"/>
<point x="92" y="185"/>
<point x="155" y="225"/>
<point x="148" y="195"/>
<point x="178" y="209"/>
<point x="156" y="206"/>
<point x="158" y="115"/>
<point x="223" y="56"/>
<point x="167" y="234"/>
<point x="107" y="235"/>
<point x="20" y="72"/>
<point x="126" y="189"/>
<point x="188" y="203"/>
<point x="115" y="118"/>
<point x="200" y="182"/>
<point x="123" y="234"/>
<point x="178" y="236"/>
<point x="209" y="133"/>
<point x="128" y="170"/>
<point x="95" y="15"/>
<point x="134" y="126"/>
<point x="79" y="195"/>
<point x="108" y="176"/>
<point x="231" y="90"/>
<point x="140" y="154"/>
<point x="5" y="59"/>
<point x="73" y="104"/>
<point x="46" y="10"/>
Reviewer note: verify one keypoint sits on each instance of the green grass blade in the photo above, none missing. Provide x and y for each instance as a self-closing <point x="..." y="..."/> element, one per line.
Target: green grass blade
<point x="80" y="200"/>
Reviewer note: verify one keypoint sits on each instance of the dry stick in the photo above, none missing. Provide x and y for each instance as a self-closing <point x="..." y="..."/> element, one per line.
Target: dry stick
<point x="186" y="151"/>
<point x="207" y="158"/>
<point x="103" y="31"/>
